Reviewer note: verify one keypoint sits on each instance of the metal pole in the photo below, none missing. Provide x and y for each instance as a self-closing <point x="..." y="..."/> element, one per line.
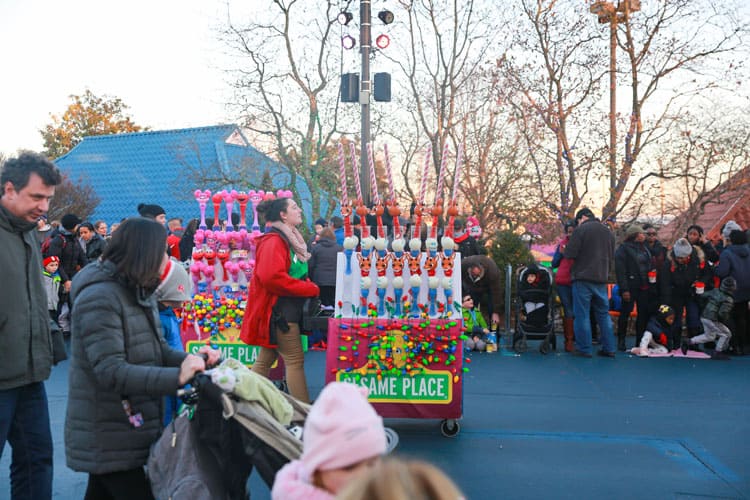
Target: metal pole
<point x="612" y="106"/>
<point x="365" y="19"/>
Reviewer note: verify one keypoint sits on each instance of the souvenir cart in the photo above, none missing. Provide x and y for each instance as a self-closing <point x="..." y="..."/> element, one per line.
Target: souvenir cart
<point x="221" y="267"/>
<point x="397" y="327"/>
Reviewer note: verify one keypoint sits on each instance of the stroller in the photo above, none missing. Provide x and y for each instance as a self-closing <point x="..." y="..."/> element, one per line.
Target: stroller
<point x="210" y="450"/>
<point x="533" y="309"/>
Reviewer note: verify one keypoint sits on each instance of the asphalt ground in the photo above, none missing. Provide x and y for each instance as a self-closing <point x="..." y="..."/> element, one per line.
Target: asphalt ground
<point x="556" y="426"/>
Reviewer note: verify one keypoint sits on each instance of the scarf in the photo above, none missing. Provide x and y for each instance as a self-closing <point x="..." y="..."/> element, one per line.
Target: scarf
<point x="295" y="239"/>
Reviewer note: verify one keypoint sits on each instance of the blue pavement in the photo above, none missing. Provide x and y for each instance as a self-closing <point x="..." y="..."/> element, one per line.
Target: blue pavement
<point x="558" y="426"/>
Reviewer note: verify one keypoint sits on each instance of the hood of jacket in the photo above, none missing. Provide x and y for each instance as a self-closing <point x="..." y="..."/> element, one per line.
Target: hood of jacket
<point x="741" y="251"/>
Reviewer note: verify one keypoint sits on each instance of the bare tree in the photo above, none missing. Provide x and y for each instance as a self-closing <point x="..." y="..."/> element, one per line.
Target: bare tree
<point x="287" y="87"/>
<point x="675" y="51"/>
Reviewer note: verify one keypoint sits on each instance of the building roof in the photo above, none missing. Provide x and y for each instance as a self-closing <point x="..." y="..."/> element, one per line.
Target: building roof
<point x="163" y="167"/>
<point x="728" y="201"/>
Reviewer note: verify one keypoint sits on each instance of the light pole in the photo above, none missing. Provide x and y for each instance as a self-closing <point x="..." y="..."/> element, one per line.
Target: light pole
<point x="365" y="88"/>
<point x="608" y="12"/>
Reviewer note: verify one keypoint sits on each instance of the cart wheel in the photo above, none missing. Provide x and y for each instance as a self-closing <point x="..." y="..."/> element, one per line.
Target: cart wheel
<point x="449" y="427"/>
<point x="391" y="440"/>
<point x="520" y="345"/>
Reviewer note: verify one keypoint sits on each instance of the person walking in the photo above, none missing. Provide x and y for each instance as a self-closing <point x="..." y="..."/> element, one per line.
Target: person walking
<point x="592" y="247"/>
<point x="322" y="265"/>
<point x="120" y="365"/>
<point x="28" y="183"/>
<point x="279" y="287"/>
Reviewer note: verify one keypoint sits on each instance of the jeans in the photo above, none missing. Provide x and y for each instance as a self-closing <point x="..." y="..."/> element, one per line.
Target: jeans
<point x="565" y="292"/>
<point x="590" y="296"/>
<point x="24" y="423"/>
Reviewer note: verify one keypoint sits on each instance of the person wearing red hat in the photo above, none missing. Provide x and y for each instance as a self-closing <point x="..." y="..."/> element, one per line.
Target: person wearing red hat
<point x="52" y="284"/>
<point x="27" y="183"/>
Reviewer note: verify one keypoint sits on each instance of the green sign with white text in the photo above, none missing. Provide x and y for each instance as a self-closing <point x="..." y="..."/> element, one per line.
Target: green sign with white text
<point x="430" y="387"/>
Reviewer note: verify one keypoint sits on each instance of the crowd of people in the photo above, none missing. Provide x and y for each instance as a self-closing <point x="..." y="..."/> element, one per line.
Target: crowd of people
<point x="707" y="285"/>
<point x="113" y="294"/>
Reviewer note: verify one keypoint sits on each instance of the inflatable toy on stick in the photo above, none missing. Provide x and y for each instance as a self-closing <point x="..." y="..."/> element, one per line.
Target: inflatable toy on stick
<point x="202" y="198"/>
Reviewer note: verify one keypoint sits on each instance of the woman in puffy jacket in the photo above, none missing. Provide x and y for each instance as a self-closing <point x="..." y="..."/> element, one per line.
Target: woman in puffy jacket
<point x="120" y="366"/>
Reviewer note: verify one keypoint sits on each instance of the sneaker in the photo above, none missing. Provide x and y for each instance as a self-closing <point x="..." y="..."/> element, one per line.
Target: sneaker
<point x="720" y="356"/>
<point x="581" y="354"/>
<point x="684" y="347"/>
<point x="605" y="354"/>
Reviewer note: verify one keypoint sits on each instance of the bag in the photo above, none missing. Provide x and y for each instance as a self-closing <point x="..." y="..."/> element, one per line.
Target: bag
<point x="48" y="240"/>
<point x="179" y="467"/>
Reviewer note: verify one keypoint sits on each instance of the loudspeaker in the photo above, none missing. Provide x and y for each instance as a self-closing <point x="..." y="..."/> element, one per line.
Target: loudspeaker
<point x="350" y="87"/>
<point x="383" y="87"/>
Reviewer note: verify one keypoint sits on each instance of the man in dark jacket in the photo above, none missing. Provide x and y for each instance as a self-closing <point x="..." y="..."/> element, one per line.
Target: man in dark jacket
<point x="480" y="278"/>
<point x="592" y="246"/>
<point x="735" y="262"/>
<point x="28" y="183"/>
<point x="467" y="245"/>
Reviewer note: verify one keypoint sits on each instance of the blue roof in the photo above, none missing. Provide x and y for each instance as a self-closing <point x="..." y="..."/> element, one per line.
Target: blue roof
<point x="164" y="168"/>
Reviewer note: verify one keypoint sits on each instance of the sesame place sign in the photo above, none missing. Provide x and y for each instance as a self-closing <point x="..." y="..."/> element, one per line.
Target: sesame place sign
<point x="430" y="387"/>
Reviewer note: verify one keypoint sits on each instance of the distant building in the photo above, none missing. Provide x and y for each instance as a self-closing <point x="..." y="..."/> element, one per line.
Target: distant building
<point x="728" y="201"/>
<point x="164" y="166"/>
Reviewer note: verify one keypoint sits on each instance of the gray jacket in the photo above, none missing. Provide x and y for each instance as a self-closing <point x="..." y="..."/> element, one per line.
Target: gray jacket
<point x="117" y="353"/>
<point x="26" y="354"/>
<point x="592" y="246"/>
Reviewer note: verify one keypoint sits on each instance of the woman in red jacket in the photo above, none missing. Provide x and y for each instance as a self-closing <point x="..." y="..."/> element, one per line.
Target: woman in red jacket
<point x="277" y="292"/>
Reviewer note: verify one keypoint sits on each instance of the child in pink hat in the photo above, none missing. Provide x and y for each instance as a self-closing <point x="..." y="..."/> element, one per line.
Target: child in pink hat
<point x="343" y="437"/>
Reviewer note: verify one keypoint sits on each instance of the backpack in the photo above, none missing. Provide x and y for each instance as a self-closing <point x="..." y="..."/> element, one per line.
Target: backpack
<point x="48" y="240"/>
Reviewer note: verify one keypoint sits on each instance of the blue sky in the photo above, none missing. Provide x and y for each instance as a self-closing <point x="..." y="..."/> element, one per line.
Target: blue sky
<point x="162" y="58"/>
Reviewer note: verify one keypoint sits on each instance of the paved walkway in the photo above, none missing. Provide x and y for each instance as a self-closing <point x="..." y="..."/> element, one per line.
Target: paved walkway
<point x="559" y="427"/>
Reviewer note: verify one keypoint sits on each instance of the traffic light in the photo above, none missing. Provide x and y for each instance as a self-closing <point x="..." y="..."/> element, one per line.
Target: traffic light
<point x="382" y="91"/>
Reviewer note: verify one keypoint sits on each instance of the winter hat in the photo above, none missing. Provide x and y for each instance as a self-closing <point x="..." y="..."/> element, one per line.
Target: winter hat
<point x="664" y="312"/>
<point x="341" y="429"/>
<point x="682" y="248"/>
<point x="175" y="283"/>
<point x="151" y="211"/>
<point x="50" y="259"/>
<point x="634" y="229"/>
<point x="729" y="227"/>
<point x="728" y="285"/>
<point x="70" y="221"/>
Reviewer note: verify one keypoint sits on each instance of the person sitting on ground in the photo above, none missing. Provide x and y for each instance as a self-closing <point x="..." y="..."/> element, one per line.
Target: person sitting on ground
<point x="343" y="437"/>
<point x="717" y="313"/>
<point x="475" y="327"/>
<point x="397" y="479"/>
<point x="656" y="336"/>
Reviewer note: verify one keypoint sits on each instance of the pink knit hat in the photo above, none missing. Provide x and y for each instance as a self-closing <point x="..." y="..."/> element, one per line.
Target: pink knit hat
<point x="341" y="429"/>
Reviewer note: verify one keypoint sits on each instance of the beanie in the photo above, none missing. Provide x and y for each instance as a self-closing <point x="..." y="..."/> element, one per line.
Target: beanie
<point x="50" y="259"/>
<point x="341" y="429"/>
<point x="150" y="211"/>
<point x="682" y="248"/>
<point x="175" y="283"/>
<point x="664" y="312"/>
<point x="729" y="227"/>
<point x="70" y="221"/>
<point x="634" y="229"/>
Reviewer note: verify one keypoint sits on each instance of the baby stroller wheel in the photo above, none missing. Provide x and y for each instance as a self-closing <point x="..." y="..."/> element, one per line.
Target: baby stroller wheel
<point x="544" y="348"/>
<point x="391" y="440"/>
<point x="449" y="427"/>
<point x="520" y="345"/>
